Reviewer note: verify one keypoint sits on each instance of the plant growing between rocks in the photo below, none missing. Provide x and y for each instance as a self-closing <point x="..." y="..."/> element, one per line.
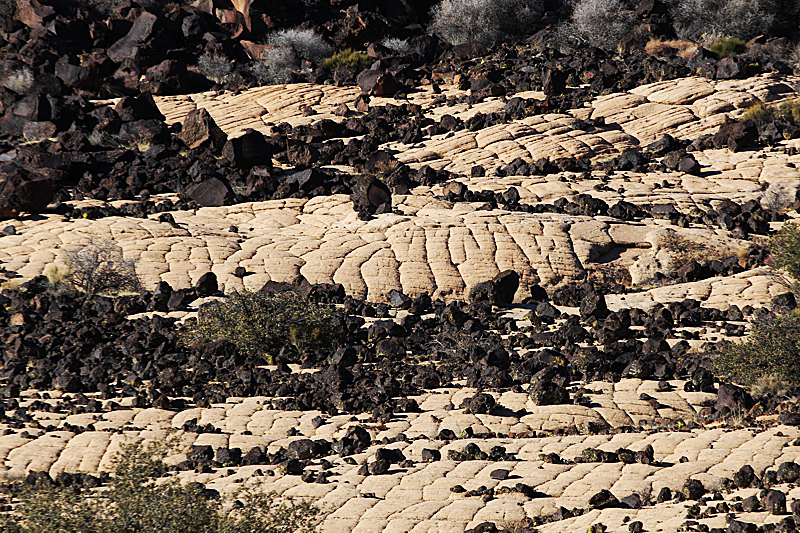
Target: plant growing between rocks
<point x="261" y="324"/>
<point x="349" y="57"/>
<point x="215" y="67"/>
<point x="459" y="21"/>
<point x="600" y="23"/>
<point x="287" y="49"/>
<point x="136" y="500"/>
<point x="100" y="267"/>
<point x="785" y="248"/>
<point x="724" y="18"/>
<point x="723" y="48"/>
<point x="772" y="349"/>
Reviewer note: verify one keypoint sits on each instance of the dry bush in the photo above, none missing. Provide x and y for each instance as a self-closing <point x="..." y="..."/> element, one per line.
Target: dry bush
<point x="287" y="49"/>
<point x="723" y="18"/>
<point x="216" y="67"/>
<point x="260" y="324"/>
<point x="683" y="250"/>
<point x="399" y="46"/>
<point x="459" y="21"/>
<point x="100" y="268"/>
<point x="601" y="23"/>
<point x="137" y="501"/>
<point x="670" y="47"/>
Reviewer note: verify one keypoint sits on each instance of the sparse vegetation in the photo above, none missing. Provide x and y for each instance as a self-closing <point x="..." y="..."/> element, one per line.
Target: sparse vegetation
<point x="772" y="350"/>
<point x="601" y="23"/>
<point x="100" y="267"/>
<point x="760" y="114"/>
<point x="667" y="48"/>
<point x="349" y="57"/>
<point x="262" y="323"/>
<point x="216" y="67"/>
<point x="683" y="250"/>
<point x="287" y="50"/>
<point x="725" y="47"/>
<point x="723" y="18"/>
<point x="459" y="21"/>
<point x="400" y="46"/>
<point x="785" y="247"/>
<point x="138" y="501"/>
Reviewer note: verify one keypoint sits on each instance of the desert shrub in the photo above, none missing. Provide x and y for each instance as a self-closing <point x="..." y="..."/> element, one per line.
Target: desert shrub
<point x="262" y="323"/>
<point x="287" y="49"/>
<point x="137" y="501"/>
<point x="790" y="110"/>
<point x="759" y="113"/>
<point x="727" y="47"/>
<point x="20" y="81"/>
<point x="772" y="349"/>
<point x="399" y="46"/>
<point x="601" y="23"/>
<point x="459" y="21"/>
<point x="785" y="248"/>
<point x="729" y="18"/>
<point x="348" y="57"/>
<point x="215" y="66"/>
<point x="100" y="267"/>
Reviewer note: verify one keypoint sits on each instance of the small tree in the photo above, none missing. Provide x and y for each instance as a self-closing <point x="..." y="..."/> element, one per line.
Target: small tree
<point x="100" y="267"/>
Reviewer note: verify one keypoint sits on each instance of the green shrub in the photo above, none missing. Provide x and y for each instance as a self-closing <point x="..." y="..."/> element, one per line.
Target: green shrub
<point x="772" y="350"/>
<point x="261" y="324"/>
<point x="348" y="57"/>
<point x="100" y="268"/>
<point x="785" y="248"/>
<point x="760" y="114"/>
<point x="728" y="47"/>
<point x="790" y="110"/>
<point x="135" y="501"/>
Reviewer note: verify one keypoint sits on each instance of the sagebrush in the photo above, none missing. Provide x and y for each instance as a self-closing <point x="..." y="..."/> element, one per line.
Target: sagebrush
<point x="459" y="21"/>
<point x="723" y="18"/>
<point x="287" y="49"/>
<point x="601" y="23"/>
<point x="100" y="267"/>
<point x="772" y="350"/>
<point x="260" y="324"/>
<point x="137" y="501"/>
<point x="216" y="67"/>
